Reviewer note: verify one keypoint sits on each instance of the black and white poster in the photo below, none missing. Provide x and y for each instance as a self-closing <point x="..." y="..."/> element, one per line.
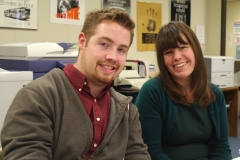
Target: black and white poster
<point x="121" y="4"/>
<point x="18" y="14"/>
<point x="67" y="11"/>
<point x="180" y="11"/>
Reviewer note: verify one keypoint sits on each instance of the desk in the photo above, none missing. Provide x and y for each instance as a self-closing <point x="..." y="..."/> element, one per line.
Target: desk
<point x="231" y="97"/>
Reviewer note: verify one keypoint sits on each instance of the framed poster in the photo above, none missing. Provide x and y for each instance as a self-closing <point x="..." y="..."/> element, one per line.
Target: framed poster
<point x="67" y="11"/>
<point x="121" y="4"/>
<point x="18" y="14"/>
<point x="149" y="21"/>
<point x="238" y="49"/>
<point x="180" y="11"/>
<point x="236" y="29"/>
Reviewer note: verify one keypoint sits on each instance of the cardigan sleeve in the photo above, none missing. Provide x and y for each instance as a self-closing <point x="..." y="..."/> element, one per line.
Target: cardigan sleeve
<point x="27" y="130"/>
<point x="220" y="149"/>
<point x="136" y="149"/>
<point x="148" y="103"/>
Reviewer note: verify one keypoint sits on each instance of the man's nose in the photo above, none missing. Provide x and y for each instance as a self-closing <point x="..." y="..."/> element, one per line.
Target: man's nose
<point x="112" y="55"/>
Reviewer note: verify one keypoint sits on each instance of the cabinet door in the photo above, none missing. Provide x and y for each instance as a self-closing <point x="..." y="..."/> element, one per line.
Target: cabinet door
<point x="231" y="98"/>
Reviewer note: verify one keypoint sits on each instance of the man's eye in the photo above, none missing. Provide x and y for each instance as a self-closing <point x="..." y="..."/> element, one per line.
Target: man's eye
<point x="122" y="50"/>
<point x="104" y="44"/>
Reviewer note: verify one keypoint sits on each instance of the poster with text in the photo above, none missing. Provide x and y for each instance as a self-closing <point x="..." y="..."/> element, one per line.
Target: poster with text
<point x="236" y="29"/>
<point x="149" y="21"/>
<point x="18" y="14"/>
<point x="238" y="50"/>
<point x="180" y="11"/>
<point x="67" y="11"/>
<point x="121" y="4"/>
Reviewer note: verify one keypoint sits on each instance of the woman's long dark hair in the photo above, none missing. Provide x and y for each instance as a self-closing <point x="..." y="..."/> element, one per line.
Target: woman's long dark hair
<point x="168" y="38"/>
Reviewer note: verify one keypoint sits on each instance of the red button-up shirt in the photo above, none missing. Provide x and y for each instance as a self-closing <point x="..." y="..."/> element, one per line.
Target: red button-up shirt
<point x="97" y="108"/>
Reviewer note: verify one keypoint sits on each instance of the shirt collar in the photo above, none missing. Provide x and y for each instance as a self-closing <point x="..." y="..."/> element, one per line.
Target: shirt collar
<point x="77" y="79"/>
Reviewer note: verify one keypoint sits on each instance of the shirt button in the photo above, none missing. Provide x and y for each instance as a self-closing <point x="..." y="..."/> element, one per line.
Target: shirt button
<point x="98" y="119"/>
<point x="80" y="89"/>
<point x="95" y="145"/>
<point x="95" y="100"/>
<point x="85" y="83"/>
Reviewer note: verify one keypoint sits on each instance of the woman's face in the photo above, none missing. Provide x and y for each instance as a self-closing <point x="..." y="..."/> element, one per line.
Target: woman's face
<point x="180" y="61"/>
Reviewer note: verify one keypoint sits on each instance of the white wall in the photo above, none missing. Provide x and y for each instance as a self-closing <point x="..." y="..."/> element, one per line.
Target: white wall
<point x="213" y="31"/>
<point x="233" y="15"/>
<point x="203" y="12"/>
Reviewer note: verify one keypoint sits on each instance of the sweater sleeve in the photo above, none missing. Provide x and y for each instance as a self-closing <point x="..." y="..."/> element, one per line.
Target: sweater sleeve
<point x="149" y="102"/>
<point x="220" y="149"/>
<point x="136" y="149"/>
<point x="27" y="129"/>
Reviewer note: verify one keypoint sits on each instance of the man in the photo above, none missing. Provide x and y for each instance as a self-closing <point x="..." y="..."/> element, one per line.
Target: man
<point x="75" y="113"/>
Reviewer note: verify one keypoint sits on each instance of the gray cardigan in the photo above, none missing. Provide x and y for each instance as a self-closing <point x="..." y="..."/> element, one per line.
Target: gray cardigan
<point x="47" y="120"/>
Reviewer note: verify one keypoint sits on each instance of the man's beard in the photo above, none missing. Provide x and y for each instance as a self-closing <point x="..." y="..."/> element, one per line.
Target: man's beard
<point x="103" y="79"/>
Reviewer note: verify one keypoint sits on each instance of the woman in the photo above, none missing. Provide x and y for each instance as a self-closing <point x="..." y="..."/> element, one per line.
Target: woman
<point x="183" y="116"/>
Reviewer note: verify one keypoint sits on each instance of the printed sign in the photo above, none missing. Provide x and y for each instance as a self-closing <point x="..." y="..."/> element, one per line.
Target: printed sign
<point x="18" y="14"/>
<point x="180" y="11"/>
<point x="67" y="11"/>
<point x="149" y="21"/>
<point x="121" y="4"/>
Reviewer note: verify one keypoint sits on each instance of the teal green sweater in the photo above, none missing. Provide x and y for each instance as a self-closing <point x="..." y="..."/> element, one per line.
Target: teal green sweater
<point x="158" y="115"/>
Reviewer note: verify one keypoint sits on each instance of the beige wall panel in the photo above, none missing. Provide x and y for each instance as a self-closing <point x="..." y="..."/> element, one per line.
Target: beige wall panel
<point x="53" y="32"/>
<point x="200" y="20"/>
<point x="213" y="29"/>
<point x="6" y="35"/>
<point x="233" y="15"/>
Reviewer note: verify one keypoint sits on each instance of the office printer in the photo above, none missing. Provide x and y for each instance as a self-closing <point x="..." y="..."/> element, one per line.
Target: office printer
<point x="10" y="84"/>
<point x="36" y="57"/>
<point x="133" y="76"/>
<point x="220" y="70"/>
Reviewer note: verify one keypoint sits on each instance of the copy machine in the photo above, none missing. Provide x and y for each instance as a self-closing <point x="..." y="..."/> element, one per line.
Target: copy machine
<point x="220" y="70"/>
<point x="36" y="57"/>
<point x="10" y="84"/>
<point x="134" y="75"/>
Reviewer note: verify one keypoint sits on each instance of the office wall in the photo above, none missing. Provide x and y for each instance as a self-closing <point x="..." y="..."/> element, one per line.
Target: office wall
<point x="50" y="32"/>
<point x="213" y="27"/>
<point x="233" y="15"/>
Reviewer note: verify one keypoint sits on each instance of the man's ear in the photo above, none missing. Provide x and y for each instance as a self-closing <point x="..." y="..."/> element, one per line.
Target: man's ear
<point x="81" y="40"/>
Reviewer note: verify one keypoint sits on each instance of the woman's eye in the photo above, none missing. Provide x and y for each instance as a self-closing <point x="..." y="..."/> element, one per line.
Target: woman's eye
<point x="182" y="47"/>
<point x="167" y="52"/>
